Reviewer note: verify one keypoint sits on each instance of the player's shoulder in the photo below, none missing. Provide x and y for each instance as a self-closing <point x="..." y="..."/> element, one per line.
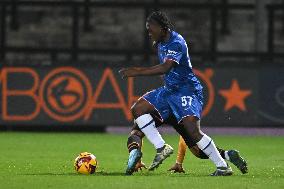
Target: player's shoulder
<point x="177" y="40"/>
<point x="177" y="37"/>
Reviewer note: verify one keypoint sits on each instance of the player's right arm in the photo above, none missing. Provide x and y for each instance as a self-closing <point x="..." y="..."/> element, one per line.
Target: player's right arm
<point x="177" y="167"/>
<point x="159" y="69"/>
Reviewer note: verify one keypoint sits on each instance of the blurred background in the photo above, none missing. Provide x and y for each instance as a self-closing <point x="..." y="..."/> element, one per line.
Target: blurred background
<point x="59" y="61"/>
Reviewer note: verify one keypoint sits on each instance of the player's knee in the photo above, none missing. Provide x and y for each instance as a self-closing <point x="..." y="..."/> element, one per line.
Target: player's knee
<point x="192" y="128"/>
<point x="192" y="133"/>
<point x="137" y="110"/>
<point x="134" y="110"/>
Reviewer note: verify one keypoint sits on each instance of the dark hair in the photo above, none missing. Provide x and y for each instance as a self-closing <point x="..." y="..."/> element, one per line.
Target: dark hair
<point x="162" y="19"/>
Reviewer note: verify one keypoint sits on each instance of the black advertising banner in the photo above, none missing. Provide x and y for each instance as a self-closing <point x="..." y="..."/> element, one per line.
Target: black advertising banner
<point x="92" y="96"/>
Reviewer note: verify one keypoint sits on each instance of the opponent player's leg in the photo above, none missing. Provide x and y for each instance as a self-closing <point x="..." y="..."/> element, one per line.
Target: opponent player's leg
<point x="134" y="140"/>
<point x="134" y="144"/>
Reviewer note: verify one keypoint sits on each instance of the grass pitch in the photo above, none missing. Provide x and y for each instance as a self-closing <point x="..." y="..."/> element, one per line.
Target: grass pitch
<point x="45" y="160"/>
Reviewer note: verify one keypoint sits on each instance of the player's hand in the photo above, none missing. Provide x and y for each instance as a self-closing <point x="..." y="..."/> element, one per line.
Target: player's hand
<point x="140" y="166"/>
<point x="177" y="168"/>
<point x="126" y="72"/>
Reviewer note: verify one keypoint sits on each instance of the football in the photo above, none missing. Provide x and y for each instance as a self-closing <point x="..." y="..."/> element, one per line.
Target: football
<point x="85" y="163"/>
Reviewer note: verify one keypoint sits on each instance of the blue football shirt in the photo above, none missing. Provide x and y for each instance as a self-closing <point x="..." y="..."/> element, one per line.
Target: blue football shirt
<point x="181" y="74"/>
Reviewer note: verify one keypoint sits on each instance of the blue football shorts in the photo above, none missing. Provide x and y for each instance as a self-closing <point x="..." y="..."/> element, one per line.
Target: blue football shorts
<point x="181" y="102"/>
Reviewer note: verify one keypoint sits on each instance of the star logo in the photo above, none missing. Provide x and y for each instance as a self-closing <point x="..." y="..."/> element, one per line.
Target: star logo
<point x="235" y="96"/>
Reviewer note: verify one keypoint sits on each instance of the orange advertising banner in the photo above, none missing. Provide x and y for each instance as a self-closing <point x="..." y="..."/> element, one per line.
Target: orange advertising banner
<point x="89" y="96"/>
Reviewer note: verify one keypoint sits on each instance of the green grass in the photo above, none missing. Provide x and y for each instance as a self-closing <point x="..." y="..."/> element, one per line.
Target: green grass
<point x="45" y="160"/>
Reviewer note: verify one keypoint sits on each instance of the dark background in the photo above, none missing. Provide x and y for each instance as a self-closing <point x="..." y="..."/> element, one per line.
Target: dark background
<point x="241" y="40"/>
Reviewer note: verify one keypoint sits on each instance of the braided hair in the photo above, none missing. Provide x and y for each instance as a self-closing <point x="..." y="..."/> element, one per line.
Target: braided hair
<point x="162" y="19"/>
